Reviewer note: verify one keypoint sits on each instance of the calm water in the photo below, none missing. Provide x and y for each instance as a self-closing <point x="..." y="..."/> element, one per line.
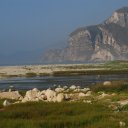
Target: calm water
<point x="49" y="81"/>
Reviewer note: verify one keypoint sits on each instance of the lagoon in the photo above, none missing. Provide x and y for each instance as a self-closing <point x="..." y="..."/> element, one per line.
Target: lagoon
<point x="24" y="83"/>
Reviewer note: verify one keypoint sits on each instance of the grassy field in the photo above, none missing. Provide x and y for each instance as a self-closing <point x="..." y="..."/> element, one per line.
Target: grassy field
<point x="61" y="115"/>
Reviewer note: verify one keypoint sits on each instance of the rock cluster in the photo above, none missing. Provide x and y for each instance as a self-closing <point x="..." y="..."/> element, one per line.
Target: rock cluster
<point x="58" y="94"/>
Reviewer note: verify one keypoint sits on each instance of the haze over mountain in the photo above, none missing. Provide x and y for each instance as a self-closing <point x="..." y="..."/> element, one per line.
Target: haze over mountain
<point x="103" y="42"/>
<point x="28" y="28"/>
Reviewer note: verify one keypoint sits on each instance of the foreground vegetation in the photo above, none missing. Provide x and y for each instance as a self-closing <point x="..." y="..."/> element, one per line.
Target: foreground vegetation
<point x="115" y="86"/>
<point x="60" y="115"/>
<point x="100" y="113"/>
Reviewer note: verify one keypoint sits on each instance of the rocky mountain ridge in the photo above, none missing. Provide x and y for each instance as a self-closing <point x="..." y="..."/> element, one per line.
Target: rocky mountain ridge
<point x="103" y="42"/>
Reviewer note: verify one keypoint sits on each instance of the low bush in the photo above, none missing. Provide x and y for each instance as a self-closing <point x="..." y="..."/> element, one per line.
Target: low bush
<point x="116" y="86"/>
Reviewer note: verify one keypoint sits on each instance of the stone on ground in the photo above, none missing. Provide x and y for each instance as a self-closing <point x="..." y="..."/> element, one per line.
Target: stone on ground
<point x="73" y="87"/>
<point x="81" y="94"/>
<point x="6" y="103"/>
<point x="107" y="83"/>
<point x="50" y="94"/>
<point x="60" y="97"/>
<point x="122" y="124"/>
<point x="89" y="93"/>
<point x="85" y="90"/>
<point x="10" y="95"/>
<point x="58" y="90"/>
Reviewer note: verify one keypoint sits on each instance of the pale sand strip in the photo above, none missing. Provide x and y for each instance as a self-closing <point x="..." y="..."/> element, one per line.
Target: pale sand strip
<point x="41" y="69"/>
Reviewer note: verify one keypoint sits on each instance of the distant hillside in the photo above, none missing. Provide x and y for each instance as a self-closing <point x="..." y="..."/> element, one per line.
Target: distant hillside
<point x="103" y="42"/>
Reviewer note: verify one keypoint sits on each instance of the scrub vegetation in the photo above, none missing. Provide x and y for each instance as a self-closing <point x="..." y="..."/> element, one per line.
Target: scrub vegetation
<point x="100" y="113"/>
<point x="60" y="115"/>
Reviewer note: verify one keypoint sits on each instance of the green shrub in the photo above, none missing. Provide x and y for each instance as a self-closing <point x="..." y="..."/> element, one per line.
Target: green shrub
<point x="116" y="86"/>
<point x="55" y="115"/>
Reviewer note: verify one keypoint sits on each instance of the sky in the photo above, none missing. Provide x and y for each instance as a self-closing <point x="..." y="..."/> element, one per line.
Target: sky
<point x="38" y="25"/>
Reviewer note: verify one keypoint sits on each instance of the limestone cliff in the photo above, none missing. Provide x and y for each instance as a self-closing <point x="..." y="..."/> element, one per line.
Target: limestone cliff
<point x="103" y="42"/>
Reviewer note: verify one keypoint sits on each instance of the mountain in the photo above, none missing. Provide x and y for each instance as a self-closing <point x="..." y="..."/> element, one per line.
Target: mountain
<point x="102" y="42"/>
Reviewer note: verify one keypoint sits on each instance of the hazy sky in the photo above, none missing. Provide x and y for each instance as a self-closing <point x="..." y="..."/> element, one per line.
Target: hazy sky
<point x="38" y="24"/>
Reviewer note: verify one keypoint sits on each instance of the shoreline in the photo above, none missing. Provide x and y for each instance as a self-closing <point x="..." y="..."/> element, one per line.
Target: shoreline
<point x="64" y="69"/>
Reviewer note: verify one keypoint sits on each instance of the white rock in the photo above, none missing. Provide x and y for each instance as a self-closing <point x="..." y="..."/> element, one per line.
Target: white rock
<point x="103" y="95"/>
<point x="43" y="92"/>
<point x="87" y="101"/>
<point x="65" y="87"/>
<point x="85" y="90"/>
<point x="31" y="94"/>
<point x="10" y="90"/>
<point x="42" y="97"/>
<point x="123" y="102"/>
<point x="81" y="94"/>
<point x="10" y="95"/>
<point x="11" y="86"/>
<point x="78" y="87"/>
<point x="36" y="99"/>
<point x="77" y="90"/>
<point x="67" y="97"/>
<point x="73" y="87"/>
<point x="35" y="89"/>
<point x="89" y="93"/>
<point x="67" y="90"/>
<point x="6" y="103"/>
<point x="39" y="94"/>
<point x="71" y="95"/>
<point x="17" y="102"/>
<point x="25" y="99"/>
<point x="59" y="86"/>
<point x="58" y="90"/>
<point x="54" y="85"/>
<point x="122" y="124"/>
<point x="50" y="94"/>
<point x="60" y="97"/>
<point x="107" y="83"/>
<point x="21" y="98"/>
<point x="113" y="94"/>
<point x="53" y="99"/>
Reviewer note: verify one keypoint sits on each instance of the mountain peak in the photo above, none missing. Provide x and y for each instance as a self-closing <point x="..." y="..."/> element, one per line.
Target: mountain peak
<point x="119" y="17"/>
<point x="122" y="10"/>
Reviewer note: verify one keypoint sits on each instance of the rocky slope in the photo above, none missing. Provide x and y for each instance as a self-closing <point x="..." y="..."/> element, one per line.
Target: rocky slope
<point x="103" y="42"/>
